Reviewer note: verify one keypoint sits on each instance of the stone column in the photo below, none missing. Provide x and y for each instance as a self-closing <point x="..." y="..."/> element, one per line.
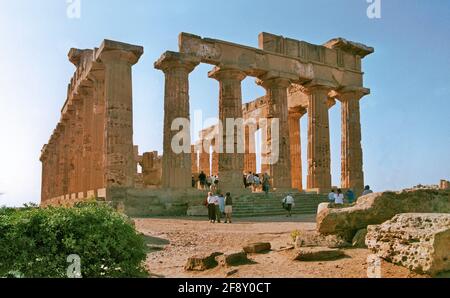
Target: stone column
<point x="280" y="168"/>
<point x="88" y="131"/>
<point x="176" y="168"/>
<point x="78" y="144"/>
<point x="194" y="158"/>
<point x="352" y="175"/>
<point x="296" y="150"/>
<point x="231" y="147"/>
<point x="99" y="126"/>
<point x="204" y="160"/>
<point x="118" y="58"/>
<point x="250" y="151"/>
<point x="319" y="160"/>
<point x="45" y="173"/>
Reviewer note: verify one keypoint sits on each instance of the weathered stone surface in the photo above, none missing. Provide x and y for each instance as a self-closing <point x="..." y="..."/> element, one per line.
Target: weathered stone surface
<point x="314" y="239"/>
<point x="379" y="207"/>
<point x="202" y="262"/>
<point x="233" y="259"/>
<point x="359" y="241"/>
<point x="257" y="247"/>
<point x="197" y="211"/>
<point x="420" y="242"/>
<point x="317" y="254"/>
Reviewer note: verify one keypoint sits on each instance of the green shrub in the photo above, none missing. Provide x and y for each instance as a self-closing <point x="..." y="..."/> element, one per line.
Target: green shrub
<point x="36" y="242"/>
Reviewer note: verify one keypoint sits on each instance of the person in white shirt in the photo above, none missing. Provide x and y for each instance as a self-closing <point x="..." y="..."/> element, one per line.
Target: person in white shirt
<point x="339" y="197"/>
<point x="331" y="196"/>
<point x="217" y="208"/>
<point x="288" y="203"/>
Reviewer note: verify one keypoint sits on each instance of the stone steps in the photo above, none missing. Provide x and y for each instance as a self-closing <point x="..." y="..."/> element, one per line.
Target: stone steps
<point x="262" y="205"/>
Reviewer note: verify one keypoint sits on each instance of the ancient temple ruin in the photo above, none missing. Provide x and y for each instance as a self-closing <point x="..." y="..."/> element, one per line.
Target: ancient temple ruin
<point x="91" y="151"/>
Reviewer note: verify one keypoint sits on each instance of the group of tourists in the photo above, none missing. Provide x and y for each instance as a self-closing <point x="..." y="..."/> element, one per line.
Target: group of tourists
<point x="206" y="182"/>
<point x="219" y="206"/>
<point x="337" y="197"/>
<point x="256" y="183"/>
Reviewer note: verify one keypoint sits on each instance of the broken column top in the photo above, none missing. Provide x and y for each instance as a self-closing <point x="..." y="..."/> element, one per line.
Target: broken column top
<point x="111" y="45"/>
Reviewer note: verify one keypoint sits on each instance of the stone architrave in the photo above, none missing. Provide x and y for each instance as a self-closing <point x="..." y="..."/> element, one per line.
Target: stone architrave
<point x="176" y="167"/>
<point x="231" y="164"/>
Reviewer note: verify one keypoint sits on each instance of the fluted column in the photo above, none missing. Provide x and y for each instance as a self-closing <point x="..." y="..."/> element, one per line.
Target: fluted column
<point x="296" y="152"/>
<point x="88" y="131"/>
<point x="352" y="175"/>
<point x="120" y="166"/>
<point x="176" y="167"/>
<point x="78" y="144"/>
<point x="194" y="158"/>
<point x="250" y="151"/>
<point x="204" y="160"/>
<point x="280" y="167"/>
<point x="231" y="139"/>
<point x="99" y="125"/>
<point x="319" y="160"/>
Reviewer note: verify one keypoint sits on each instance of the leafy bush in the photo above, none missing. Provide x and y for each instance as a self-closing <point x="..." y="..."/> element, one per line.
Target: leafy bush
<point x="36" y="242"/>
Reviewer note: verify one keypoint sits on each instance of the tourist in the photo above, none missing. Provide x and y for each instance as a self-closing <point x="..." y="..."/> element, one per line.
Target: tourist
<point x="367" y="190"/>
<point x="244" y="179"/>
<point x="256" y="183"/>
<point x="331" y="195"/>
<point x="209" y="181"/>
<point x="339" y="197"/>
<point x="211" y="207"/>
<point x="250" y="179"/>
<point x="266" y="183"/>
<point x="202" y="178"/>
<point x="288" y="203"/>
<point x="217" y="208"/>
<point x="350" y="196"/>
<point x="193" y="181"/>
<point x="213" y="188"/>
<point x="228" y="207"/>
<point x="221" y="204"/>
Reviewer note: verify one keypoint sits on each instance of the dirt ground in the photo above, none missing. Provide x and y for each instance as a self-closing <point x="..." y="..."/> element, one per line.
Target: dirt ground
<point x="175" y="240"/>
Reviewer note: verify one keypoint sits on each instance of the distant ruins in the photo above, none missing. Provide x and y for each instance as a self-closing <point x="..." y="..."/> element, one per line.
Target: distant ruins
<point x="91" y="151"/>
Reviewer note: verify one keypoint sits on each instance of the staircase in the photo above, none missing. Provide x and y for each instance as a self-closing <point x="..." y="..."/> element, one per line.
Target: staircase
<point x="262" y="205"/>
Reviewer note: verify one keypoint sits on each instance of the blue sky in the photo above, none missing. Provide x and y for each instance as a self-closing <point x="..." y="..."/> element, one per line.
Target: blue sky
<point x="405" y="121"/>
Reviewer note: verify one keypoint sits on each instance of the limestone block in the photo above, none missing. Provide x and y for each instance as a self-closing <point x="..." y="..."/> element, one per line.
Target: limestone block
<point x="233" y="259"/>
<point x="417" y="241"/>
<point x="257" y="247"/>
<point x="379" y="207"/>
<point x="202" y="262"/>
<point x="314" y="239"/>
<point x="359" y="241"/>
<point x="311" y="254"/>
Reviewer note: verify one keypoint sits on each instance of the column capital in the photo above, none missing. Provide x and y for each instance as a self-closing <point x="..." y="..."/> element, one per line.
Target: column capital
<point x="297" y="112"/>
<point x="270" y="82"/>
<point x="356" y="92"/>
<point x="227" y="73"/>
<point x="318" y="85"/>
<point x="173" y="60"/>
<point x="113" y="51"/>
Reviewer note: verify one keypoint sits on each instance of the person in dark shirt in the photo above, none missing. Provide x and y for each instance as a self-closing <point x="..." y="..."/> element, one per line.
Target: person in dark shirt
<point x="228" y="207"/>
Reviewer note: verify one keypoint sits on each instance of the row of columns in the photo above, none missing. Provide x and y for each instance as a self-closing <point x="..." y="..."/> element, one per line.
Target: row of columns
<point x="286" y="171"/>
<point x="92" y="148"/>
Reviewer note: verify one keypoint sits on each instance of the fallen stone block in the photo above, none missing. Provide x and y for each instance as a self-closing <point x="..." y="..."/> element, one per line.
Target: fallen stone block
<point x="419" y="242"/>
<point x="314" y="239"/>
<point x="309" y="254"/>
<point x="202" y="262"/>
<point x="376" y="208"/>
<point x="233" y="259"/>
<point x="359" y="241"/>
<point x="257" y="247"/>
